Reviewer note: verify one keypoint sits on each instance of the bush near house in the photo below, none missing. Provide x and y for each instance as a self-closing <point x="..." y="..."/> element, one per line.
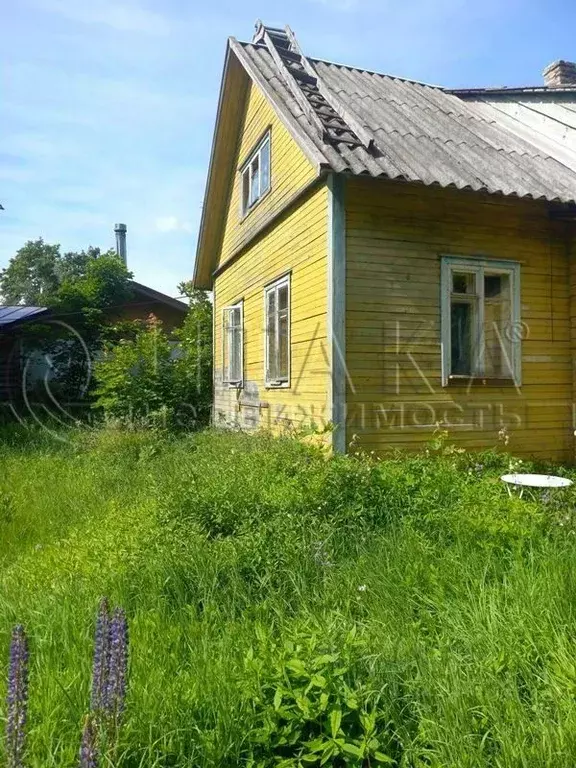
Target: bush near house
<point x="291" y="610"/>
<point x="152" y="378"/>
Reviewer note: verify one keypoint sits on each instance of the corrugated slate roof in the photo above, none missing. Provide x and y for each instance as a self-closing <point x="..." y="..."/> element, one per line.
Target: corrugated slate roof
<point x="492" y="141"/>
<point x="16" y="314"/>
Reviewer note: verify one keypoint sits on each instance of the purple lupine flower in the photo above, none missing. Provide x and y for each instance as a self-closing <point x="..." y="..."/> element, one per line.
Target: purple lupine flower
<point x="118" y="667"/>
<point x="101" y="658"/>
<point x="89" y="752"/>
<point x="17" y="698"/>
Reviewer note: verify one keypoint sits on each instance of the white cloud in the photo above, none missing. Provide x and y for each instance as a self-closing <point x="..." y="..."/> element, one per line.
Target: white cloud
<point x="172" y="224"/>
<point x="127" y="17"/>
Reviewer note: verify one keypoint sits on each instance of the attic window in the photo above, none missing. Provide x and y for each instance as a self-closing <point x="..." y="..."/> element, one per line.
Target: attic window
<point x="256" y="175"/>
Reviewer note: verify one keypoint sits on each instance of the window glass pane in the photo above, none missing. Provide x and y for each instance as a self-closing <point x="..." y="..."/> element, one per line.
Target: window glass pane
<point x="254" y="180"/>
<point x="283" y="346"/>
<point x="226" y="336"/>
<point x="497" y="326"/>
<point x="271" y="342"/>
<point x="235" y="354"/>
<point x="265" y="167"/>
<point x="461" y="321"/>
<point x="246" y="190"/>
<point x="283" y="297"/>
<point x="277" y="333"/>
<point x="463" y="282"/>
<point x="233" y="344"/>
<point x="270" y="304"/>
<point x="235" y="317"/>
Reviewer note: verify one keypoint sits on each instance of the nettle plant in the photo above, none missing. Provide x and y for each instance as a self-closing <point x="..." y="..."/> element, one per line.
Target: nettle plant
<point x="310" y="709"/>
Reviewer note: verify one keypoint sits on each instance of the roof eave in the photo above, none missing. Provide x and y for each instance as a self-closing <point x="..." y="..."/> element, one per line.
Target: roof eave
<point x="159" y="297"/>
<point x="36" y="313"/>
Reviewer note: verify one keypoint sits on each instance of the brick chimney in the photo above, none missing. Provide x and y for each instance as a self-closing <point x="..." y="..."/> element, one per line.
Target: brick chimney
<point x="560" y="74"/>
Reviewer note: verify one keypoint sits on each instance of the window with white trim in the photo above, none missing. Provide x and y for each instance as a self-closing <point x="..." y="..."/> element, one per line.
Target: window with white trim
<point x="256" y="175"/>
<point x="277" y="335"/>
<point x="233" y="344"/>
<point x="481" y="330"/>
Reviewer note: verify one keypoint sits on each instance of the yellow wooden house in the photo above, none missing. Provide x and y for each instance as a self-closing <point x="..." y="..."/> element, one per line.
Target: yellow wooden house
<point x="387" y="255"/>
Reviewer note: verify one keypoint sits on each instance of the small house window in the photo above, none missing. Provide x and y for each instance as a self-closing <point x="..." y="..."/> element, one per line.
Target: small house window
<point x="233" y="342"/>
<point x="256" y="175"/>
<point x="481" y="333"/>
<point x="277" y="349"/>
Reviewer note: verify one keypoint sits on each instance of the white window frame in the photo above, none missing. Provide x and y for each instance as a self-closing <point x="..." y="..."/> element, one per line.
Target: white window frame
<point x="246" y="207"/>
<point x="275" y="286"/>
<point x="226" y="331"/>
<point x="478" y="267"/>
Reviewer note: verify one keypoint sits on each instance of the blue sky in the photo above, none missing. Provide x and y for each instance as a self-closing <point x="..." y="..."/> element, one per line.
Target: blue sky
<point x="107" y="107"/>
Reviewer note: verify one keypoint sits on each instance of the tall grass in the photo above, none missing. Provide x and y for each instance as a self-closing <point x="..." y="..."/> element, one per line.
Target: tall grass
<point x="253" y="569"/>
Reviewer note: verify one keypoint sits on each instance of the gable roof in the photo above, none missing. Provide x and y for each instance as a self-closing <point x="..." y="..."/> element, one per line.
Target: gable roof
<point x="158" y="297"/>
<point x="517" y="142"/>
<point x="427" y="134"/>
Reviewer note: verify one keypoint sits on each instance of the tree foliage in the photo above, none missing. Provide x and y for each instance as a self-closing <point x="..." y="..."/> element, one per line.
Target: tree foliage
<point x="145" y="373"/>
<point x="31" y="276"/>
<point x="38" y="273"/>
<point x="81" y="288"/>
<point x="161" y="379"/>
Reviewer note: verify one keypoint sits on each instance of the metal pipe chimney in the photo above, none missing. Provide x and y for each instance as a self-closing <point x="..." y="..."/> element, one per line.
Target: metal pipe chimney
<point x="120" y="230"/>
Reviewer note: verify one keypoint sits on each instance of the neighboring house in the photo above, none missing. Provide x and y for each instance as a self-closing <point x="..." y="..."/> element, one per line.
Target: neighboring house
<point x="144" y="302"/>
<point x="387" y="255"/>
<point x="12" y="320"/>
<point x="147" y="301"/>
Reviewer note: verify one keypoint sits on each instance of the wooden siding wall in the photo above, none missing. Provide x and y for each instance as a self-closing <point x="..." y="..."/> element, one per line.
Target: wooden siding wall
<point x="570" y="240"/>
<point x="297" y="244"/>
<point x="395" y="235"/>
<point x="290" y="171"/>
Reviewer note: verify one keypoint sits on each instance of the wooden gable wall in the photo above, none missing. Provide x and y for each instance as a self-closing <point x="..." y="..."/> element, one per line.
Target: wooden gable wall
<point x="290" y="172"/>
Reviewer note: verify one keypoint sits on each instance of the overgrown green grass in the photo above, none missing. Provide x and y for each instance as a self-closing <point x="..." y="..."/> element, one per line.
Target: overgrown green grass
<point x="282" y="605"/>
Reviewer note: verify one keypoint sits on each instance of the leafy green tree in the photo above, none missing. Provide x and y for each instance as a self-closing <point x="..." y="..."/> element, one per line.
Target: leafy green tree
<point x="31" y="277"/>
<point x="74" y="264"/>
<point x="81" y="309"/>
<point x="103" y="284"/>
<point x="39" y="274"/>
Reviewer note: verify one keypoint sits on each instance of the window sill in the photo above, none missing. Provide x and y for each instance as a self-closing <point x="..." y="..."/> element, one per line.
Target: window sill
<point x="280" y="385"/>
<point x="480" y="381"/>
<point x="231" y="385"/>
